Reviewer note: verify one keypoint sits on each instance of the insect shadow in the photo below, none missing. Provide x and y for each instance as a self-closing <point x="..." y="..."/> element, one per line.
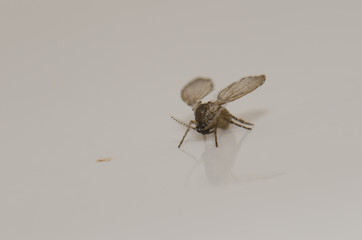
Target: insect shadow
<point x="213" y="115"/>
<point x="219" y="164"/>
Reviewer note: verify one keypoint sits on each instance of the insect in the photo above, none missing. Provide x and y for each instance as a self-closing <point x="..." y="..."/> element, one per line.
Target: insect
<point x="213" y="115"/>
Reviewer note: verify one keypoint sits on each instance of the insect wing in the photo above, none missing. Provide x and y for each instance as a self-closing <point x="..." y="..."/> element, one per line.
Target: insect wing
<point x="195" y="90"/>
<point x="240" y="88"/>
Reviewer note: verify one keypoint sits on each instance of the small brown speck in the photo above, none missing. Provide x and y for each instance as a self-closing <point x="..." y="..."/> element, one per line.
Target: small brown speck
<point x="104" y="160"/>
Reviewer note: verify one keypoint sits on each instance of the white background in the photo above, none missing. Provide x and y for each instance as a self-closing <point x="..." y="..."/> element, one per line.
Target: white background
<point x="84" y="80"/>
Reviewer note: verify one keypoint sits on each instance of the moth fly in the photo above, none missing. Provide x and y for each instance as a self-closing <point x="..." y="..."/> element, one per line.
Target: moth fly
<point x="213" y="115"/>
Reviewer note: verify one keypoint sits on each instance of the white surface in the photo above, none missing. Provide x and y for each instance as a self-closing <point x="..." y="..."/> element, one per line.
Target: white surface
<point x="85" y="80"/>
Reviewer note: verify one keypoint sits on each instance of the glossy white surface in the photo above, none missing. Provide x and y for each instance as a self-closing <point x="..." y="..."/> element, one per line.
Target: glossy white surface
<point x="86" y="80"/>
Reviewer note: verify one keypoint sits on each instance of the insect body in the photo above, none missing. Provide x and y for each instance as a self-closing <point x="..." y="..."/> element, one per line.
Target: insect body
<point x="212" y="115"/>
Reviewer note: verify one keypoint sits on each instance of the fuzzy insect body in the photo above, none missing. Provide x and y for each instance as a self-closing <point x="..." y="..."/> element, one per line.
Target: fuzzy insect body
<point x="213" y="115"/>
<point x="208" y="116"/>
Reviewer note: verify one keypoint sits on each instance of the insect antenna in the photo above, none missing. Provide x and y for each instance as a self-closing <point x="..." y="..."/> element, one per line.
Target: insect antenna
<point x="181" y="122"/>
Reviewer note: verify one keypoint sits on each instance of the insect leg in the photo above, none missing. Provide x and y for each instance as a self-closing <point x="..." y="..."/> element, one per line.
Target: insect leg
<point x="241" y="120"/>
<point x="215" y="132"/>
<point x="187" y="130"/>
<point x="237" y="124"/>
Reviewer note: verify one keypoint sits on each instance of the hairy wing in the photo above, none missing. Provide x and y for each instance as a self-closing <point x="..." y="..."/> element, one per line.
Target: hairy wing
<point x="195" y="90"/>
<point x="240" y="88"/>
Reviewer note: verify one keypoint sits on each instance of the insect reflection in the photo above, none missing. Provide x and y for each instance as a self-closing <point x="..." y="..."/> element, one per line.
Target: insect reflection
<point x="213" y="115"/>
